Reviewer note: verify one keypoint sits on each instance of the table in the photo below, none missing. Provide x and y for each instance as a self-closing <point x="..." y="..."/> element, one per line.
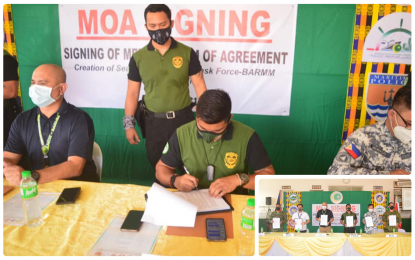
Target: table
<point x="73" y="229"/>
<point x="307" y="244"/>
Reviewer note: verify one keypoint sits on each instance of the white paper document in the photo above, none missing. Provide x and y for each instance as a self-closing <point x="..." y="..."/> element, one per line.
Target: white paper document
<point x="392" y="220"/>
<point x="298" y="225"/>
<point x="323" y="220"/>
<point x="13" y="208"/>
<point x="369" y="221"/>
<point x="203" y="201"/>
<point x="164" y="208"/>
<point x="276" y="224"/>
<point x="114" y="242"/>
<point x="349" y="221"/>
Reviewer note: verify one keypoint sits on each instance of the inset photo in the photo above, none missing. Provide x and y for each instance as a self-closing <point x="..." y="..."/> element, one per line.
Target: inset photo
<point x="339" y="217"/>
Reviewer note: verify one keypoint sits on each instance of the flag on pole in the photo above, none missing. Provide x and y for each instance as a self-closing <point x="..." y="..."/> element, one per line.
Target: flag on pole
<point x="398" y="209"/>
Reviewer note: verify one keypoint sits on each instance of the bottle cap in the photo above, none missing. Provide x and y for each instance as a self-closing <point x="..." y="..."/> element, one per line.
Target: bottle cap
<point x="26" y="174"/>
<point x="251" y="202"/>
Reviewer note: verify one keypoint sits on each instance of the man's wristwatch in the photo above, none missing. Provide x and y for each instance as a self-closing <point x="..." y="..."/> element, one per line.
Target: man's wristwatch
<point x="243" y="178"/>
<point x="35" y="175"/>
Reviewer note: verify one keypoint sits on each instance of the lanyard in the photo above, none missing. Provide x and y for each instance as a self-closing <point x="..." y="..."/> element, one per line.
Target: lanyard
<point x="45" y="147"/>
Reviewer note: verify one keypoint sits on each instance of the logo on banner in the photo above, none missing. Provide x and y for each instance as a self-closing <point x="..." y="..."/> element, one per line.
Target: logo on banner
<point x="177" y="62"/>
<point x="293" y="209"/>
<point x="293" y="198"/>
<point x="380" y="209"/>
<point x="379" y="198"/>
<point x="336" y="197"/>
<point x="380" y="91"/>
<point x="389" y="40"/>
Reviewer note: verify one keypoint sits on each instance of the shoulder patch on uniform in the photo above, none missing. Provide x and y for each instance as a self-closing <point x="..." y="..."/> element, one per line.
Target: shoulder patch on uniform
<point x="353" y="151"/>
<point x="406" y="156"/>
<point x="343" y="158"/>
<point x="166" y="148"/>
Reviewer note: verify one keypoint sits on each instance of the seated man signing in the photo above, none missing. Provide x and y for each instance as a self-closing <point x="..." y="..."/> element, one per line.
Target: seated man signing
<point x="215" y="151"/>
<point x="57" y="137"/>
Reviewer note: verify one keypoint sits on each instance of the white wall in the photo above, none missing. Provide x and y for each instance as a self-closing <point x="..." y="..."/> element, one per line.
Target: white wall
<point x="271" y="187"/>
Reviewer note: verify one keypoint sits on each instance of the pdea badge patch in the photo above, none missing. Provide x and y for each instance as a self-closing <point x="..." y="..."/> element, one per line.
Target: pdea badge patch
<point x="177" y="62"/>
<point x="231" y="159"/>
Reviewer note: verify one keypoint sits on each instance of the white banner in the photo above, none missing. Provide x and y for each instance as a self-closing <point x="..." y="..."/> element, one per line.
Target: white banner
<point x="406" y="199"/>
<point x="247" y="50"/>
<point x="338" y="210"/>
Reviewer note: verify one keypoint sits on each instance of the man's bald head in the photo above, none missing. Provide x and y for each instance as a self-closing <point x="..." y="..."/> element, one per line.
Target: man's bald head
<point x="54" y="72"/>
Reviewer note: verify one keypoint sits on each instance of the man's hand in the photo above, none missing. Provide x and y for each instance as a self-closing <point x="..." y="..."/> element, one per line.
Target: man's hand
<point x="223" y="186"/>
<point x="303" y="223"/>
<point x="272" y="221"/>
<point x="13" y="174"/>
<point x="186" y="182"/>
<point x="318" y="219"/>
<point x="399" y="172"/>
<point x="132" y="136"/>
<point x="280" y="222"/>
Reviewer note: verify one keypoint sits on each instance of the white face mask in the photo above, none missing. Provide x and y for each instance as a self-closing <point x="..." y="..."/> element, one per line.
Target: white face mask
<point x="40" y="95"/>
<point x="403" y="134"/>
<point x="324" y="207"/>
<point x="370" y="210"/>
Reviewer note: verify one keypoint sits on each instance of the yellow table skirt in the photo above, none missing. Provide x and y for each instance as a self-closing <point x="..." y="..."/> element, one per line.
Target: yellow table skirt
<point x="73" y="229"/>
<point x="307" y="244"/>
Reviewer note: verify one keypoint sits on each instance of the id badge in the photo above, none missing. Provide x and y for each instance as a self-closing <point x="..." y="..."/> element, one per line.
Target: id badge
<point x="210" y="172"/>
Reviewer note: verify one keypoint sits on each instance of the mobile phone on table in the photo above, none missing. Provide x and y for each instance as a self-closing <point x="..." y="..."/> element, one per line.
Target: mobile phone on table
<point x="215" y="229"/>
<point x="68" y="196"/>
<point x="133" y="221"/>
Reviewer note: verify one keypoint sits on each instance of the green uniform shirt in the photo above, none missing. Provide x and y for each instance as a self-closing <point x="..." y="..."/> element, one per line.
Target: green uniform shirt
<point x="345" y="214"/>
<point x="165" y="77"/>
<point x="282" y="216"/>
<point x="385" y="220"/>
<point x="239" y="147"/>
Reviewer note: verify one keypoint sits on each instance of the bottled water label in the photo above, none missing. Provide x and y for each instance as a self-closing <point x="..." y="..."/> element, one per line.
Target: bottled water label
<point x="247" y="223"/>
<point x="28" y="193"/>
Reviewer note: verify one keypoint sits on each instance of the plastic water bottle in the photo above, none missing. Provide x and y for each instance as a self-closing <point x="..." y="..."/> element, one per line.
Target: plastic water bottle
<point x="247" y="235"/>
<point x="30" y="201"/>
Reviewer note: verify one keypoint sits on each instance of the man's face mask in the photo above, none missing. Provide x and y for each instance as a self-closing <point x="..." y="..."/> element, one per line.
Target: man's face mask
<point x="370" y="210"/>
<point x="40" y="95"/>
<point x="278" y="208"/>
<point x="403" y="134"/>
<point x="160" y="36"/>
<point x="211" y="136"/>
<point x="300" y="209"/>
<point x="324" y="207"/>
<point x="391" y="207"/>
<point x="349" y="209"/>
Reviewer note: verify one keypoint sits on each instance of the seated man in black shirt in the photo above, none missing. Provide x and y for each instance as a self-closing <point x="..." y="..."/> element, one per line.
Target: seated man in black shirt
<point x="57" y="137"/>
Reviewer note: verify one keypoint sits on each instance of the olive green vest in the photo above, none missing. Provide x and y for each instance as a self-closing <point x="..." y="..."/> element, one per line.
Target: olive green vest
<point x="230" y="154"/>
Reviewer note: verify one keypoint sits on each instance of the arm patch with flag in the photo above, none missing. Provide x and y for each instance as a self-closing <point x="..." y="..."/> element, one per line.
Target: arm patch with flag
<point x="353" y="151"/>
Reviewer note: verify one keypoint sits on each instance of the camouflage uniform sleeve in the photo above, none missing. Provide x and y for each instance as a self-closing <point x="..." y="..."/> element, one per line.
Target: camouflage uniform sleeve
<point x="344" y="164"/>
<point x="284" y="219"/>
<point x="385" y="217"/>
<point x="270" y="217"/>
<point x="398" y="218"/>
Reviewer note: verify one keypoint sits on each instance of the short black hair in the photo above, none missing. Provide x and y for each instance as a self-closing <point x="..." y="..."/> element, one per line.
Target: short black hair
<point x="402" y="98"/>
<point x="348" y="205"/>
<point x="391" y="203"/>
<point x="299" y="205"/>
<point x="214" y="106"/>
<point x="155" y="8"/>
<point x="370" y="205"/>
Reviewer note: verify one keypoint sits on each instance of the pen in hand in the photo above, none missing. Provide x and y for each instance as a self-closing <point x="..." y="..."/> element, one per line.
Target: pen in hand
<point x="188" y="173"/>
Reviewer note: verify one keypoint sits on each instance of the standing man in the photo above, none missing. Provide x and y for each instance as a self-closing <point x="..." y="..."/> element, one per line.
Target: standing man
<point x="11" y="102"/>
<point x="373" y="229"/>
<point x="164" y="66"/>
<point x="305" y="219"/>
<point x="330" y="218"/>
<point x="343" y="219"/>
<point x="278" y="213"/>
<point x="386" y="217"/>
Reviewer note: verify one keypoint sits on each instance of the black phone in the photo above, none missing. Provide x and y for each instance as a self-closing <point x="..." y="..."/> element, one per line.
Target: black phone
<point x="68" y="196"/>
<point x="133" y="221"/>
<point x="215" y="229"/>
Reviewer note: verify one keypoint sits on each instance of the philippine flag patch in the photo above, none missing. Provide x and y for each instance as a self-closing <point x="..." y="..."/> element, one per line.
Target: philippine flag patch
<point x="353" y="151"/>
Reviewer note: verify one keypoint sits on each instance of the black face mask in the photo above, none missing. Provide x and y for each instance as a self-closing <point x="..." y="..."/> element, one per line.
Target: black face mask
<point x="391" y="207"/>
<point x="349" y="209"/>
<point x="160" y="36"/>
<point x="211" y="136"/>
<point x="278" y="208"/>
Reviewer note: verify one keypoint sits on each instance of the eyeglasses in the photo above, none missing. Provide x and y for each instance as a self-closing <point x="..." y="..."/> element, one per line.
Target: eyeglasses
<point x="407" y="125"/>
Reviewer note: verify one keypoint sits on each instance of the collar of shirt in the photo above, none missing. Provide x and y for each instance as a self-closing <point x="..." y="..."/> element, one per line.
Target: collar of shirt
<point x="173" y="44"/>
<point x="62" y="110"/>
<point x="226" y="136"/>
